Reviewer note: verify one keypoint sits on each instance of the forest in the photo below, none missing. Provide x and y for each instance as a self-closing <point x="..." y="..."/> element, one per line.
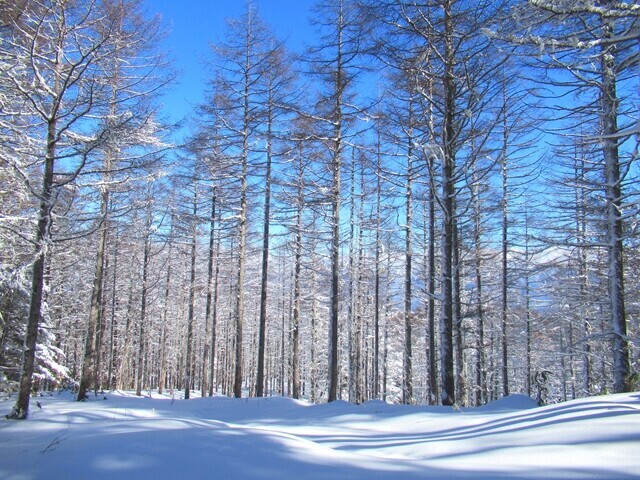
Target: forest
<point x="435" y="202"/>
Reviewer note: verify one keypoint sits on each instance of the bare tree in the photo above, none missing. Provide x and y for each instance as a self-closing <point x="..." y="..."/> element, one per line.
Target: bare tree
<point x="243" y="62"/>
<point x="60" y="53"/>
<point x="129" y="123"/>
<point x="334" y="61"/>
<point x="590" y="48"/>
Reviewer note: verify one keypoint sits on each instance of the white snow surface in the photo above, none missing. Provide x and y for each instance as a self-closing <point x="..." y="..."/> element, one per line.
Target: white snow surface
<point x="121" y="436"/>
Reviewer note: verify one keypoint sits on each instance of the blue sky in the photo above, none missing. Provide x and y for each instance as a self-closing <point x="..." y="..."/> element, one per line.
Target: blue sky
<point x="194" y="24"/>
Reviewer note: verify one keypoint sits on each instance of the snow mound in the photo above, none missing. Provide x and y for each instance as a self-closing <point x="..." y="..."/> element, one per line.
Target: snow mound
<point x="514" y="401"/>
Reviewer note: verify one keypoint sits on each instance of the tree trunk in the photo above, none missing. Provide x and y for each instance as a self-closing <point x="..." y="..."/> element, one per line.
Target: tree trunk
<point x="143" y="302"/>
<point x="447" y="373"/>
<point x="407" y="381"/>
<point x="239" y="314"/>
<point x="20" y="410"/>
<point x="361" y="389"/>
<point x="112" y="325"/>
<point x="207" y="362"/>
<point x="162" y="367"/>
<point x="527" y="292"/>
<point x="295" y="339"/>
<point x="377" y="303"/>
<point x="504" y="279"/>
<point x="214" y="319"/>
<point x="192" y="287"/>
<point x="265" y="257"/>
<point x="609" y="99"/>
<point x="124" y="358"/>
<point x="480" y="372"/>
<point x="88" y="378"/>
<point x="336" y="166"/>
<point x="583" y="267"/>
<point x="352" y="377"/>
<point x="314" y="321"/>
<point x="457" y="322"/>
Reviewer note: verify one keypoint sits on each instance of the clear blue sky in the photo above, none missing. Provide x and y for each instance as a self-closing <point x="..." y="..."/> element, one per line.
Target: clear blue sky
<point x="194" y="24"/>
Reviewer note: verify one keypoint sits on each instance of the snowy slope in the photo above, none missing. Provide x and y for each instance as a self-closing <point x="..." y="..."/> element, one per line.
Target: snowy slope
<point x="156" y="437"/>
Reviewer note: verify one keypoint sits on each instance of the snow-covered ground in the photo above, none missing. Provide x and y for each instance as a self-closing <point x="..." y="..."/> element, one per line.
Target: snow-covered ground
<point x="157" y="437"/>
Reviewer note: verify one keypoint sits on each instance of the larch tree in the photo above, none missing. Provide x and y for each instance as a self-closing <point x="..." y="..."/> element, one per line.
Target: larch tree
<point x="278" y="82"/>
<point x="243" y="62"/>
<point x="59" y="52"/>
<point x="334" y="62"/>
<point x="144" y="290"/>
<point x="135" y="80"/>
<point x="404" y="138"/>
<point x="454" y="64"/>
<point x="591" y="47"/>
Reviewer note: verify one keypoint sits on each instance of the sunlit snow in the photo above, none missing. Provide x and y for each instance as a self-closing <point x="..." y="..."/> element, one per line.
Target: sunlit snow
<point x="119" y="435"/>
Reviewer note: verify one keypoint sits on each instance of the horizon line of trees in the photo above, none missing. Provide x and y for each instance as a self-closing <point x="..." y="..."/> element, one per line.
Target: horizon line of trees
<point x="434" y="203"/>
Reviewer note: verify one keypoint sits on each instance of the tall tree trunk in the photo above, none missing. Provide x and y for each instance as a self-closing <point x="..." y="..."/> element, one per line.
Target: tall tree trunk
<point x="361" y="390"/>
<point x="377" y="303"/>
<point x="188" y="370"/>
<point x="100" y="331"/>
<point x="283" y="329"/>
<point x="609" y="100"/>
<point x="162" y="367"/>
<point x="239" y="308"/>
<point x="457" y="319"/>
<point x="121" y="379"/>
<point x="385" y="357"/>
<point x="112" y="324"/>
<point x="431" y="302"/>
<point x="336" y="166"/>
<point x="88" y="377"/>
<point x="20" y="410"/>
<point x="214" y="318"/>
<point x="265" y="255"/>
<point x="407" y="381"/>
<point x="352" y="377"/>
<point x="447" y="373"/>
<point x="583" y="268"/>
<point x="206" y="357"/>
<point x="480" y="367"/>
<point x="527" y="292"/>
<point x="430" y="281"/>
<point x="314" y="321"/>
<point x="295" y="331"/>
<point x="242" y="236"/>
<point x="209" y="337"/>
<point x="504" y="262"/>
<point x="146" y="258"/>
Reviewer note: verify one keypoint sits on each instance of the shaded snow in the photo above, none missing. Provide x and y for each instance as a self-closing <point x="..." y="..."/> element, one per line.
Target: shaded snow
<point x="156" y="437"/>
